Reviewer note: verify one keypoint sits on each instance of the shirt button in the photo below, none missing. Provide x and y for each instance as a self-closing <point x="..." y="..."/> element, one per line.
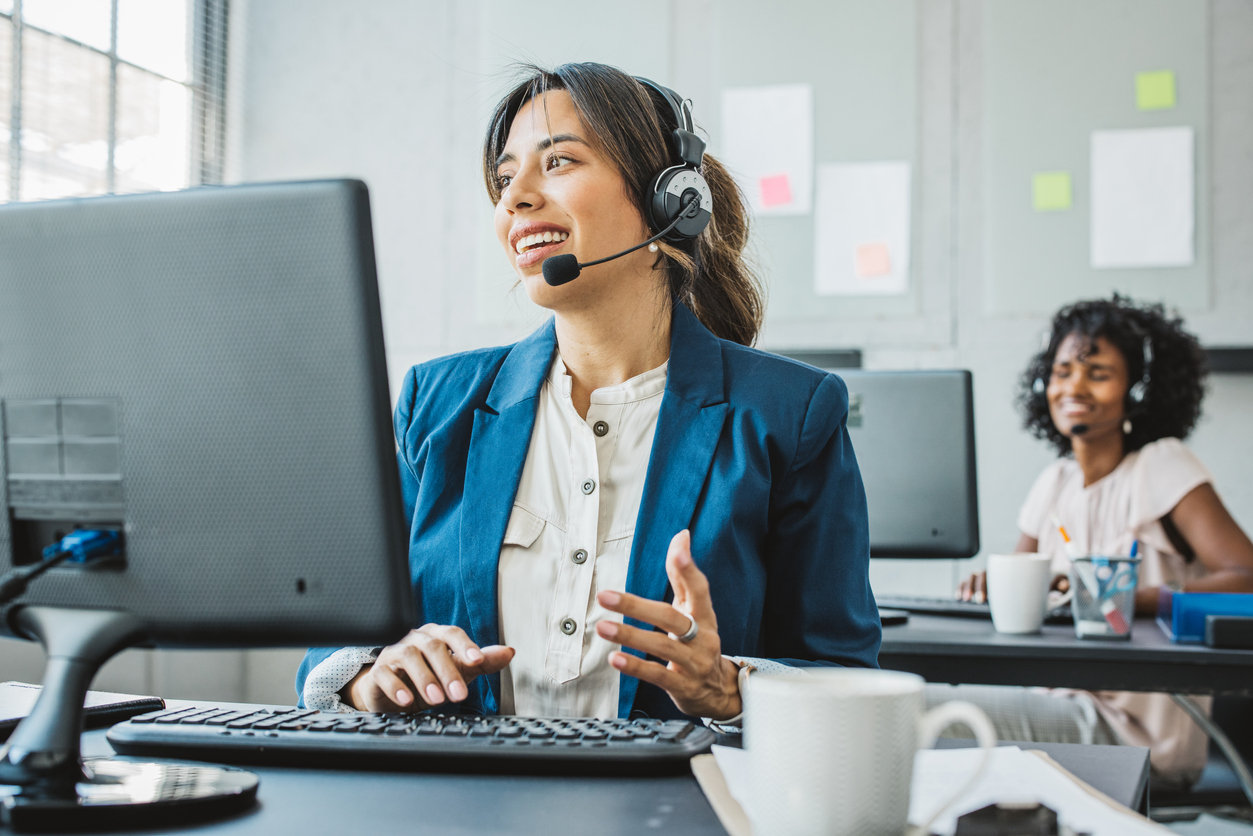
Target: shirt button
<point x="568" y="626"/>
<point x="589" y="486"/>
<point x="579" y="556"/>
<point x="600" y="428"/>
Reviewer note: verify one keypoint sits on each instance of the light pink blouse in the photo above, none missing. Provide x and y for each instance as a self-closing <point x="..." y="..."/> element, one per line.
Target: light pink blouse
<point x="1104" y="518"/>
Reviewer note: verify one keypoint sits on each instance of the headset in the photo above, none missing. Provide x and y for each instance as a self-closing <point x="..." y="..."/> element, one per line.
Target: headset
<point x="679" y="204"/>
<point x="674" y="187"/>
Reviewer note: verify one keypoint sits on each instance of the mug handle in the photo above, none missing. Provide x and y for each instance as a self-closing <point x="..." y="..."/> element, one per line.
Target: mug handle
<point x="937" y="720"/>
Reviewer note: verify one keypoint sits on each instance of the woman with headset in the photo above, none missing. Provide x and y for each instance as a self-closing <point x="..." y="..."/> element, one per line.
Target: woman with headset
<point x="1116" y="389"/>
<point x="631" y="508"/>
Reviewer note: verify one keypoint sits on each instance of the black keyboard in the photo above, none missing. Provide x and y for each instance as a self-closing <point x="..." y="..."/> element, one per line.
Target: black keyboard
<point x="427" y="741"/>
<point x="960" y="609"/>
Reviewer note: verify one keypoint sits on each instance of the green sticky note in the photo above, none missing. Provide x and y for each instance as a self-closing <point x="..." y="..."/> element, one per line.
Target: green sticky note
<point x="1155" y="91"/>
<point x="1051" y="190"/>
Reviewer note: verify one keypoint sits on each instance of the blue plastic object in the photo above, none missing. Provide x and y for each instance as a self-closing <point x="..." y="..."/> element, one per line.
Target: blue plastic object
<point x="85" y="545"/>
<point x="1181" y="615"/>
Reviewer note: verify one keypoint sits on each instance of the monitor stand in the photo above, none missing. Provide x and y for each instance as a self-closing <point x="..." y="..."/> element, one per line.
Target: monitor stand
<point x="56" y="789"/>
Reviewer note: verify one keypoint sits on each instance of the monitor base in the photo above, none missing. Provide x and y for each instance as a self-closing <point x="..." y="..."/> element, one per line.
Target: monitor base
<point x="53" y="787"/>
<point x="117" y="793"/>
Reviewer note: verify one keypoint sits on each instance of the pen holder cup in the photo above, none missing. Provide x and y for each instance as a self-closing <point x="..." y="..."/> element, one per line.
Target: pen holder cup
<point x="1104" y="602"/>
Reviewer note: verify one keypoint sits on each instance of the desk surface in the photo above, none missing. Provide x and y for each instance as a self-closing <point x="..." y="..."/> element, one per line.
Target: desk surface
<point x="969" y="650"/>
<point x="310" y="801"/>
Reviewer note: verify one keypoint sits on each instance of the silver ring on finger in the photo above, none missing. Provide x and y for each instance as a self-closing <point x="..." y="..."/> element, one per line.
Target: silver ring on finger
<point x="691" y="631"/>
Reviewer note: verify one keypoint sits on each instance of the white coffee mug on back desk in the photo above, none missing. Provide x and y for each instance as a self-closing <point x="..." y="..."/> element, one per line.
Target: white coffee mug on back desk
<point x="831" y="750"/>
<point x="1018" y="588"/>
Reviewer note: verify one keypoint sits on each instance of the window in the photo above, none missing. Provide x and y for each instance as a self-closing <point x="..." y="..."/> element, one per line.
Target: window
<point x="104" y="96"/>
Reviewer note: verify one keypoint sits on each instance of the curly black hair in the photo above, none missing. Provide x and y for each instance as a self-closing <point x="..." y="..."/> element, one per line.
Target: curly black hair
<point x="1178" y="369"/>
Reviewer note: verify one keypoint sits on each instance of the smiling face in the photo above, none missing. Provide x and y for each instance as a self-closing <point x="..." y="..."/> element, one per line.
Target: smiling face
<point x="1087" y="385"/>
<point x="560" y="194"/>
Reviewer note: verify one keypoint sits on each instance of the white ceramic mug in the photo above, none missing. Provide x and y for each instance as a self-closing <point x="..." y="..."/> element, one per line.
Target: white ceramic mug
<point x="1018" y="589"/>
<point x="831" y="750"/>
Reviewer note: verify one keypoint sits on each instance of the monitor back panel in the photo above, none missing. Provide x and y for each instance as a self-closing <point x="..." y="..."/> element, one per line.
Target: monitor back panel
<point x="205" y="370"/>
<point x="913" y="433"/>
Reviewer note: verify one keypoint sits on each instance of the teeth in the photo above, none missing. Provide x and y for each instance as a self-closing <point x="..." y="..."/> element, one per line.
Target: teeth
<point x="539" y="238"/>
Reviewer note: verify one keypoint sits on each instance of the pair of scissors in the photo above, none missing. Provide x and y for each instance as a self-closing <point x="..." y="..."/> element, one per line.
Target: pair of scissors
<point x="1123" y="579"/>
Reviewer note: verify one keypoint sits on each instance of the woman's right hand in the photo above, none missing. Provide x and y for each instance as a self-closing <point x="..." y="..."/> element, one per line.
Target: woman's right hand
<point x="430" y="665"/>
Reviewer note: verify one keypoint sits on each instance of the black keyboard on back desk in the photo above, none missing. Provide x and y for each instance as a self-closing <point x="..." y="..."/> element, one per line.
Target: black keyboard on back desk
<point x="961" y="609"/>
<point x="427" y="741"/>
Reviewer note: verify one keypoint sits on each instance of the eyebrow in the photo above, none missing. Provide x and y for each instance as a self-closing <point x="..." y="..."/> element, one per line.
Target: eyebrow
<point x="541" y="146"/>
<point x="1103" y="366"/>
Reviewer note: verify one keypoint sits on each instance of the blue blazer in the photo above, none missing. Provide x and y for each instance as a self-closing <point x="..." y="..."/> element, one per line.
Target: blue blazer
<point x="751" y="454"/>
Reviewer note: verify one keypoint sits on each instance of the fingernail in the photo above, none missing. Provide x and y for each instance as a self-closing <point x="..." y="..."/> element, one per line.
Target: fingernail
<point x="610" y="599"/>
<point x="473" y="656"/>
<point x="403" y="697"/>
<point x="433" y="695"/>
<point x="618" y="661"/>
<point x="458" y="691"/>
<point x="607" y="629"/>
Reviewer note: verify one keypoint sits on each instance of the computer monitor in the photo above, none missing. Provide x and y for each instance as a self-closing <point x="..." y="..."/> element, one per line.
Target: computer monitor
<point x="914" y="436"/>
<point x="204" y="372"/>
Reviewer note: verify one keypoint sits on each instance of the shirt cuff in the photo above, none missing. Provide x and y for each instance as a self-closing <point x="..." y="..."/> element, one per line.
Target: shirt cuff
<point x="734" y="725"/>
<point x="328" y="678"/>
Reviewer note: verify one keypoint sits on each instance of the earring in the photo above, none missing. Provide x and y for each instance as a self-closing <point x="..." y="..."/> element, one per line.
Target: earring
<point x="1126" y="426"/>
<point x="652" y="248"/>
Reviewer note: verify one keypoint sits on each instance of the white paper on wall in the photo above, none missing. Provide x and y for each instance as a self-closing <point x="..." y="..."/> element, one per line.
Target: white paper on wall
<point x="1143" y="206"/>
<point x="861" y="229"/>
<point x="768" y="145"/>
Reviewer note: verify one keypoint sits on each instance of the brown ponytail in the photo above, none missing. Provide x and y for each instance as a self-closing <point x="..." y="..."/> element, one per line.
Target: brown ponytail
<point x="632" y="127"/>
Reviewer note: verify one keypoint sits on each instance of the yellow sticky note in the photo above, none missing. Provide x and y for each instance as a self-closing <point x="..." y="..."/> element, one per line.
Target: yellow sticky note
<point x="1051" y="191"/>
<point x="1156" y="90"/>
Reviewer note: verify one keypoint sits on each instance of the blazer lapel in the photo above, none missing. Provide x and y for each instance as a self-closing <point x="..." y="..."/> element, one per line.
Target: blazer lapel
<point x="498" y="446"/>
<point x="693" y="411"/>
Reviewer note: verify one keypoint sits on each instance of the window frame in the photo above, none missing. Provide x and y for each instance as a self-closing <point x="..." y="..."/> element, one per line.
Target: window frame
<point x="207" y="131"/>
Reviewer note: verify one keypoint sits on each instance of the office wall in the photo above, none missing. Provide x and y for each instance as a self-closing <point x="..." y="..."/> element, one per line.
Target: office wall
<point x="397" y="92"/>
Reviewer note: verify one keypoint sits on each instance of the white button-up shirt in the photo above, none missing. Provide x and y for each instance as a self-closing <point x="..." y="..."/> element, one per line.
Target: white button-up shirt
<point x="569" y="537"/>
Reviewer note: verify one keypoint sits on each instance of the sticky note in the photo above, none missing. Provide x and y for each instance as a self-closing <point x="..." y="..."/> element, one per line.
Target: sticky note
<point x="775" y="190"/>
<point x="1156" y="90"/>
<point x="873" y="260"/>
<point x="1051" y="191"/>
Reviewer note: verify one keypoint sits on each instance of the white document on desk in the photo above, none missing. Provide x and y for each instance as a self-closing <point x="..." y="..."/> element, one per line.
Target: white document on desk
<point x="1013" y="775"/>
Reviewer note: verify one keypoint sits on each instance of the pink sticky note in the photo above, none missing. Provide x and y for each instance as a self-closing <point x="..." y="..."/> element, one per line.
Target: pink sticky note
<point x="873" y="260"/>
<point x="775" y="190"/>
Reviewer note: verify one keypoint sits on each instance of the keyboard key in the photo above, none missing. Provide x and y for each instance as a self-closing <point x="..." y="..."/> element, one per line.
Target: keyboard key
<point x="373" y="728"/>
<point x="228" y="717"/>
<point x="540" y="734"/>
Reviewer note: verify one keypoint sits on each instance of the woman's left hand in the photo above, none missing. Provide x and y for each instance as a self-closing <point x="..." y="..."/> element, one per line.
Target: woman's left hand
<point x="700" y="681"/>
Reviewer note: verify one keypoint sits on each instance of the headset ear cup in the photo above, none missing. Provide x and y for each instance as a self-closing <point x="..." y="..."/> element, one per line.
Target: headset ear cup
<point x="667" y="194"/>
<point x="1137" y="393"/>
<point x="1039" y="394"/>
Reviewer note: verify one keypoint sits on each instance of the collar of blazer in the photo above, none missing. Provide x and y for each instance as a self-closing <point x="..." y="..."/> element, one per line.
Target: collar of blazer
<point x="689" y="425"/>
<point x="694" y="374"/>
